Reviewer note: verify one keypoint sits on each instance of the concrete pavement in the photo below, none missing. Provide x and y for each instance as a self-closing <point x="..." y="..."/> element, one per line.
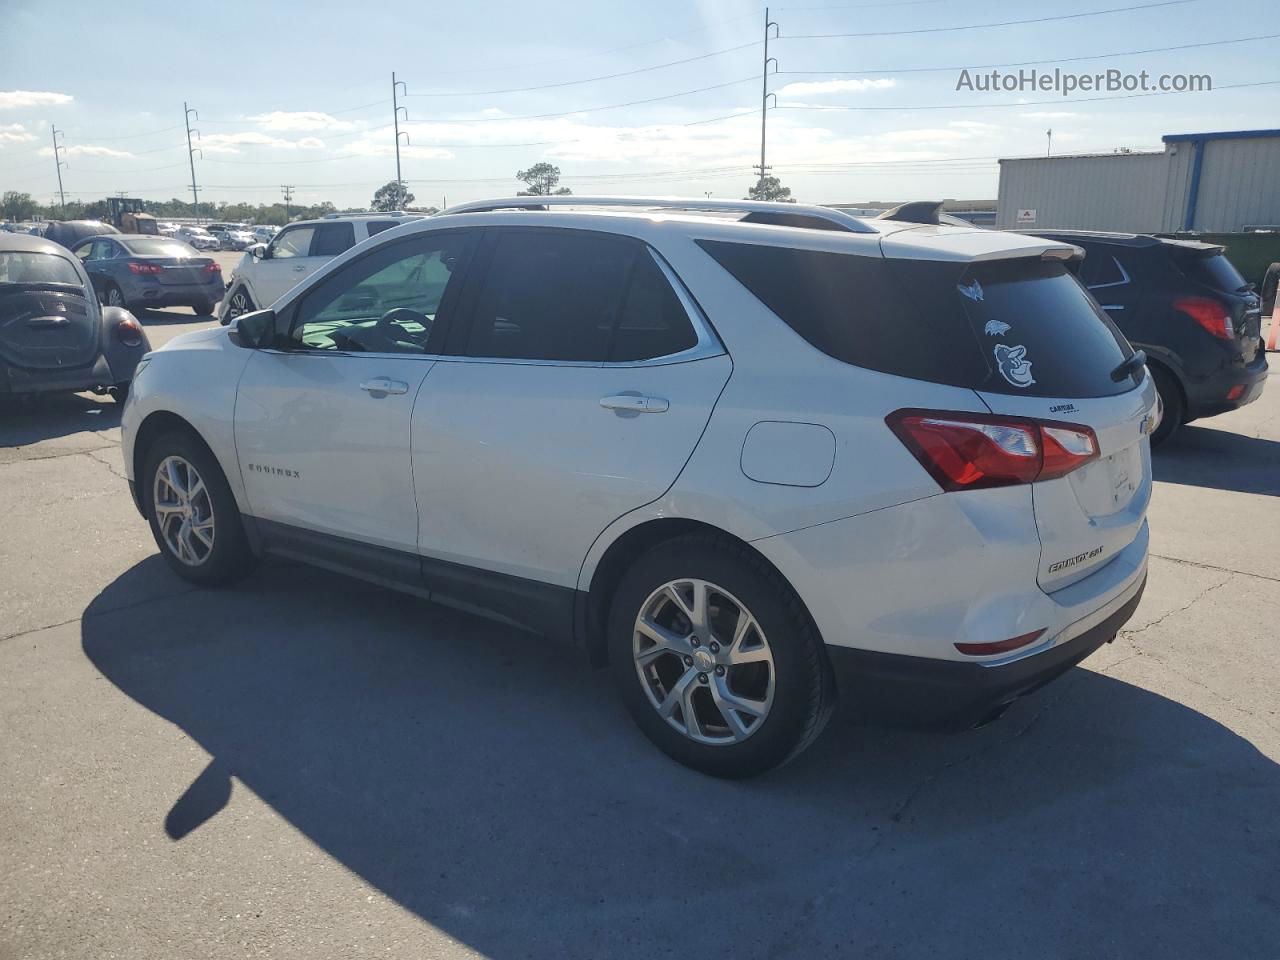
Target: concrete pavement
<point x="305" y="767"/>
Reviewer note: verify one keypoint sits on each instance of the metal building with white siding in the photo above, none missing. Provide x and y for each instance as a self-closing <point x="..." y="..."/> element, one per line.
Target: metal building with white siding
<point x="1212" y="182"/>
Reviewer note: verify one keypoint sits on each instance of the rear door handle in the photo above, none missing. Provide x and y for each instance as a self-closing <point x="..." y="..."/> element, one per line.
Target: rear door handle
<point x="632" y="403"/>
<point x="384" y="385"/>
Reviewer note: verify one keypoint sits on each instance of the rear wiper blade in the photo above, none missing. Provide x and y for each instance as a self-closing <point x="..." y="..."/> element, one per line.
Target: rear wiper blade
<point x="1131" y="365"/>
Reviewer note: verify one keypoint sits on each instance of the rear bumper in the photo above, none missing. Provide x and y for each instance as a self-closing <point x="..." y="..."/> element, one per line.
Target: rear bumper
<point x="1212" y="395"/>
<point x="174" y="294"/>
<point x="95" y="376"/>
<point x="920" y="691"/>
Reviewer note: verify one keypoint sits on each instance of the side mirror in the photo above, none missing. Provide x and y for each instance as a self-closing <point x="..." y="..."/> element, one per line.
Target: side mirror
<point x="253" y="331"/>
<point x="259" y="251"/>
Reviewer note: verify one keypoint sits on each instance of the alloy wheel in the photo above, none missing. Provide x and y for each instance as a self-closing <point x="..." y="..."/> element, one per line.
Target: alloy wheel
<point x="184" y="511"/>
<point x="703" y="661"/>
<point x="239" y="304"/>
<point x="115" y="298"/>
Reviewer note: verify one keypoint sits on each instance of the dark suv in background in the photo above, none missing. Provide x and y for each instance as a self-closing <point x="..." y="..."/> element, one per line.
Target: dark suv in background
<point x="1191" y="311"/>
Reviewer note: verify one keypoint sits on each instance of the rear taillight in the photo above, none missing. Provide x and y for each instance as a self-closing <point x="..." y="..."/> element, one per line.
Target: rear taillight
<point x="969" y="451"/>
<point x="1000" y="646"/>
<point x="145" y="269"/>
<point x="129" y="332"/>
<point x="213" y="267"/>
<point x="1210" y="314"/>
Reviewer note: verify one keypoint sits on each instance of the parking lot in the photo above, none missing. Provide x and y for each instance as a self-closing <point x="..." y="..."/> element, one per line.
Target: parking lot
<point x="303" y="767"/>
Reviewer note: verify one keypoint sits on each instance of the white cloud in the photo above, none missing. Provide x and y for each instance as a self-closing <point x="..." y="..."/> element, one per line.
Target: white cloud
<point x="12" y="99"/>
<point x="807" y="88"/>
<point x="380" y="143"/>
<point x="231" y="142"/>
<point x="87" y="150"/>
<point x="973" y="125"/>
<point x="14" y="133"/>
<point x="301" y="120"/>
<point x="1049" y="115"/>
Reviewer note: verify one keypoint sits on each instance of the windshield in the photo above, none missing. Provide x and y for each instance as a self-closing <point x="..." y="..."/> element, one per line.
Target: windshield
<point x="36" y="268"/>
<point x="159" y="248"/>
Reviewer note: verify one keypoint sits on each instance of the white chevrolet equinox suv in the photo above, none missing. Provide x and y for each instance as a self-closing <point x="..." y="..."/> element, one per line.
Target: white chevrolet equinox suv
<point x="748" y="455"/>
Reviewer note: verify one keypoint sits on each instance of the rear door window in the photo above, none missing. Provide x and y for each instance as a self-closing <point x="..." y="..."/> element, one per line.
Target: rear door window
<point x="1014" y="326"/>
<point x="332" y="239"/>
<point x="575" y="296"/>
<point x="377" y="226"/>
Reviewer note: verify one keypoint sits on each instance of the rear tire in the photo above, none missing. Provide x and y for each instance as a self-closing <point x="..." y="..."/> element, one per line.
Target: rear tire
<point x="113" y="296"/>
<point x="193" y="514"/>
<point x="773" y="664"/>
<point x="203" y="309"/>
<point x="1175" y="406"/>
<point x="120" y="392"/>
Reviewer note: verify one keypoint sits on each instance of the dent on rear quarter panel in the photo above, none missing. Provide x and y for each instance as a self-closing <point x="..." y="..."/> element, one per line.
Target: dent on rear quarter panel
<point x="195" y="377"/>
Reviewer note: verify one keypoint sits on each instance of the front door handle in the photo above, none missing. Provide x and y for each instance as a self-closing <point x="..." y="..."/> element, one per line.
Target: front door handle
<point x="384" y="385"/>
<point x="633" y="403"/>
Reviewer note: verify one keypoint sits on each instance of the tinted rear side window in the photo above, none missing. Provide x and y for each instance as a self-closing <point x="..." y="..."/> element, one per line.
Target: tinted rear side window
<point x="1019" y="326"/>
<point x="332" y="239"/>
<point x="377" y="226"/>
<point x="557" y="295"/>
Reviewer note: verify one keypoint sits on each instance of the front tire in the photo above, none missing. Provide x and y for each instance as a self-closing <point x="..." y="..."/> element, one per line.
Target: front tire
<point x="716" y="658"/>
<point x="193" y="514"/>
<point x="238" y="303"/>
<point x="203" y="309"/>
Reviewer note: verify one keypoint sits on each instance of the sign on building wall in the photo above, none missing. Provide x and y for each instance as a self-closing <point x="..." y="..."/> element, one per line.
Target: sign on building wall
<point x="1026" y="217"/>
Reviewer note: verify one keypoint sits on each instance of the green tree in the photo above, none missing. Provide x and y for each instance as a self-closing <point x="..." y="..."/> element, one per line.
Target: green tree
<point x="17" y="206"/>
<point x="770" y="188"/>
<point x="541" y="180"/>
<point x="393" y="195"/>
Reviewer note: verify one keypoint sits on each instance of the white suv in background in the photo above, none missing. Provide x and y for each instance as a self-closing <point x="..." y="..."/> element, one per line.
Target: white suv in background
<point x="294" y="253"/>
<point x="748" y="460"/>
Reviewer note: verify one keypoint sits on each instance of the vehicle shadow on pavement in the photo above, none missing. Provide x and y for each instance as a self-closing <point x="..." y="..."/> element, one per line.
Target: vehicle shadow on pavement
<point x="1220" y="460"/>
<point x="44" y="417"/>
<point x="492" y="784"/>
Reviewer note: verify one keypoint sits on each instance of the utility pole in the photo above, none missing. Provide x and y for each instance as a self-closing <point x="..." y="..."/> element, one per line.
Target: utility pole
<point x="191" y="156"/>
<point x="287" y="190"/>
<point x="396" y="85"/>
<point x="765" y="95"/>
<point x="1049" y="146"/>
<point x="59" y="163"/>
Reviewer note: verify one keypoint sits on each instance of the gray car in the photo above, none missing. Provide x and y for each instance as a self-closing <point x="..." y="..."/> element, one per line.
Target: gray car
<point x="138" y="271"/>
<point x="54" y="336"/>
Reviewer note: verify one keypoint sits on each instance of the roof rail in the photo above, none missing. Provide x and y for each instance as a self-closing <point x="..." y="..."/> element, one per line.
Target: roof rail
<point x="758" y="211"/>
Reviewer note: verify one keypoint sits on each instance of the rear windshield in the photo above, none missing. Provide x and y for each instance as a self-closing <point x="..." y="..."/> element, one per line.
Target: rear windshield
<point x="1013" y="326"/>
<point x="1214" y="271"/>
<point x="159" y="247"/>
<point x="36" y="268"/>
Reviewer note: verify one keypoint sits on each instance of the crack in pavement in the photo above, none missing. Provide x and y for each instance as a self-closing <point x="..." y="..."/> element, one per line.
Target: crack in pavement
<point x="55" y="456"/>
<point x="1129" y="634"/>
<point x="1211" y="566"/>
<point x="108" y="464"/>
<point x="91" y="614"/>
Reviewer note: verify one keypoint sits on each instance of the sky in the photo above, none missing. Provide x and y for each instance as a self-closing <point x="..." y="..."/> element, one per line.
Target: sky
<point x="300" y="93"/>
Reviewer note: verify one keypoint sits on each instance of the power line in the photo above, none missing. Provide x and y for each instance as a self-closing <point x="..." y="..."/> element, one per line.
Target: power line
<point x="998" y="23"/>
<point x="1062" y="101"/>
<point x="1025" y="63"/>
<point x="607" y="76"/>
